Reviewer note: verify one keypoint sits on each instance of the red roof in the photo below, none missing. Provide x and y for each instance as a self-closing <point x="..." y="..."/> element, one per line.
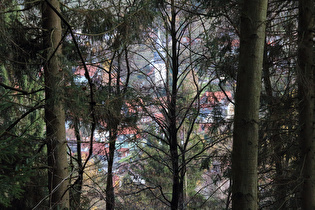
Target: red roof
<point x="81" y="71"/>
<point x="212" y="98"/>
<point x="102" y="149"/>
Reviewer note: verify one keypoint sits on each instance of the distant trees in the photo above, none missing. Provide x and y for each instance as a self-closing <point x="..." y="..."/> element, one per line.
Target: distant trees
<point x="278" y="143"/>
<point x="112" y="28"/>
<point x="176" y="79"/>
<point x="116" y="113"/>
<point x="159" y="75"/>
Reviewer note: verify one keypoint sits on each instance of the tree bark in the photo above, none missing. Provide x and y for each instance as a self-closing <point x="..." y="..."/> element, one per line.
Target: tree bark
<point x="54" y="109"/>
<point x="110" y="194"/>
<point x="306" y="103"/>
<point x="113" y="123"/>
<point x="177" y="189"/>
<point x="75" y="193"/>
<point x="245" y="136"/>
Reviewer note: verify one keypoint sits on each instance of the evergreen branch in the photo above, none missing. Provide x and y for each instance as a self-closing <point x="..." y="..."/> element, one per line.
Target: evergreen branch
<point x="224" y="92"/>
<point x="218" y="188"/>
<point x="22" y="92"/>
<point x="35" y="3"/>
<point x="13" y="88"/>
<point x="19" y="119"/>
<point x="53" y="190"/>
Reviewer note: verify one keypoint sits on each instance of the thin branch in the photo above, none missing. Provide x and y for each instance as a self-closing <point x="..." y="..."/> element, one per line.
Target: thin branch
<point x="13" y="88"/>
<point x="20" y="118"/>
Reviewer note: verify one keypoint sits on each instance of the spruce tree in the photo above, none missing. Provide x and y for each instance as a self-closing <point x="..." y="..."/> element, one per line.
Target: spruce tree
<point x="58" y="182"/>
<point x="247" y="100"/>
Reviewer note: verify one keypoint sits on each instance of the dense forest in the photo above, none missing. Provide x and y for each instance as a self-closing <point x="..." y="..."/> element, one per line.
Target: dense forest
<point x="157" y="104"/>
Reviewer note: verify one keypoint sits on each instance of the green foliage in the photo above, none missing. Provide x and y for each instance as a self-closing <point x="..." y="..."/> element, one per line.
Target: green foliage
<point x="108" y="28"/>
<point x="21" y="119"/>
<point x="205" y="163"/>
<point x="19" y="156"/>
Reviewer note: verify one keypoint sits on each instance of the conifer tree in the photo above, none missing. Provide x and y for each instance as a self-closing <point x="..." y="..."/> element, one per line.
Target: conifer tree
<point x="306" y="84"/>
<point x="247" y="99"/>
<point x="171" y="97"/>
<point x="21" y="123"/>
<point x="54" y="108"/>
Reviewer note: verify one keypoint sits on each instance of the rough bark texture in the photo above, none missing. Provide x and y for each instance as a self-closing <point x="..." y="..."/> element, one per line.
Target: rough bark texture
<point x="54" y="110"/>
<point x="306" y="103"/>
<point x="110" y="194"/>
<point x="177" y="188"/>
<point x="114" y="120"/>
<point x="245" y="136"/>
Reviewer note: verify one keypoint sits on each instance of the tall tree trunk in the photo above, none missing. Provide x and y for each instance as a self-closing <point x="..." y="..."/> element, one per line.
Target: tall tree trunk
<point x="54" y="110"/>
<point x="110" y="195"/>
<point x="306" y="104"/>
<point x="245" y="136"/>
<point x="177" y="189"/>
<point x="114" y="114"/>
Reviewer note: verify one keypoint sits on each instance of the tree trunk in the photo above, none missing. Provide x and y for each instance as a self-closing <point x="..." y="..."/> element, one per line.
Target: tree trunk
<point x="274" y="116"/>
<point x="110" y="195"/>
<point x="245" y="136"/>
<point x="54" y="110"/>
<point x="306" y="103"/>
<point x="177" y="189"/>
<point x="75" y="193"/>
<point x="113" y="123"/>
